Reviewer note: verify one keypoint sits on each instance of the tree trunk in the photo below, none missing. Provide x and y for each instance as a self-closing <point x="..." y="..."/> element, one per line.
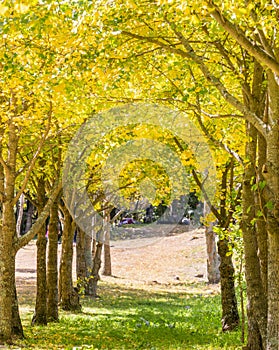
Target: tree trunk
<point x="17" y="329"/>
<point x="19" y="215"/>
<point x="29" y="214"/>
<point x="94" y="276"/>
<point x="7" y="288"/>
<point x="83" y="259"/>
<point x="271" y="174"/>
<point x="262" y="238"/>
<point x="107" y="257"/>
<point x="52" y="270"/>
<point x="107" y="260"/>
<point x="230" y="317"/>
<point x="256" y="303"/>
<point x="68" y="296"/>
<point x="40" y="314"/>
<point x="213" y="259"/>
<point x="10" y="323"/>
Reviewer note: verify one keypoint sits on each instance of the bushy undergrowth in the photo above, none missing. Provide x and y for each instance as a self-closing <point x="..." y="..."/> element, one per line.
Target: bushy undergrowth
<point x="127" y="318"/>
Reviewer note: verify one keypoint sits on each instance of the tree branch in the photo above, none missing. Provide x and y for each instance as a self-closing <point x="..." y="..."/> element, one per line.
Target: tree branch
<point x="210" y="77"/>
<point x="237" y="33"/>
<point x="25" y="239"/>
<point x="34" y="158"/>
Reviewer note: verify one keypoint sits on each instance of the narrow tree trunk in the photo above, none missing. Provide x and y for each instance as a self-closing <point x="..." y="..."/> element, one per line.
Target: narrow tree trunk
<point x="107" y="257"/>
<point x="20" y="215"/>
<point x="213" y="259"/>
<point x="107" y="260"/>
<point x="93" y="250"/>
<point x="52" y="270"/>
<point x="94" y="276"/>
<point x="29" y="215"/>
<point x="40" y="314"/>
<point x="68" y="296"/>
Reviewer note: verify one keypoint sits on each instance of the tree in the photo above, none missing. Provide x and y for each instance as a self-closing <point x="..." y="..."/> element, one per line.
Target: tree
<point x="34" y="72"/>
<point x="226" y="45"/>
<point x="68" y="295"/>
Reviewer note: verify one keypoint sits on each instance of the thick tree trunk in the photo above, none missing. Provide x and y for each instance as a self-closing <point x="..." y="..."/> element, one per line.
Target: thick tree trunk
<point x="271" y="174"/>
<point x="83" y="259"/>
<point x="68" y="295"/>
<point x="256" y="303"/>
<point x="17" y="329"/>
<point x="7" y="264"/>
<point x="230" y="317"/>
<point x="262" y="237"/>
<point x="10" y="323"/>
<point x="52" y="270"/>
<point x="273" y="285"/>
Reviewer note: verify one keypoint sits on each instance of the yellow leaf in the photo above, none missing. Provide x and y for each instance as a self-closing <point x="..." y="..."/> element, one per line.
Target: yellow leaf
<point x="3" y="9"/>
<point x="21" y="8"/>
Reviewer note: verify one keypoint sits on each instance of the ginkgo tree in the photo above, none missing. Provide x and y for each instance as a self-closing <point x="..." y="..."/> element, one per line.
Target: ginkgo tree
<point x="217" y="60"/>
<point x="226" y="52"/>
<point x="42" y="94"/>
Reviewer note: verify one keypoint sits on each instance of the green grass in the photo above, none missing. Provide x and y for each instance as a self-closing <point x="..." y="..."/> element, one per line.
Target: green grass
<point x="127" y="318"/>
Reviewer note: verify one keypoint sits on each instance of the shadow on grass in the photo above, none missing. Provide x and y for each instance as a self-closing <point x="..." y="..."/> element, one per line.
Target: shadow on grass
<point x="128" y="318"/>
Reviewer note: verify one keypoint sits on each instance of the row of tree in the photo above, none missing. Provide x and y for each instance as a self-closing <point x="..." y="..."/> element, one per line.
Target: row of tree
<point x="215" y="61"/>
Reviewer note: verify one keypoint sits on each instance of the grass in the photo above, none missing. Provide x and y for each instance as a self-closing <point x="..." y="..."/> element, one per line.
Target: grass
<point x="129" y="318"/>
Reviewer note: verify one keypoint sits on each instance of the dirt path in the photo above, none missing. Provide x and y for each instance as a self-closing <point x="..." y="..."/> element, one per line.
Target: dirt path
<point x="172" y="260"/>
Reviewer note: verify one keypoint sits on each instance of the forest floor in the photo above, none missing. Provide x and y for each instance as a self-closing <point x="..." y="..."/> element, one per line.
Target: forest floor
<point x="157" y="298"/>
<point x="147" y="260"/>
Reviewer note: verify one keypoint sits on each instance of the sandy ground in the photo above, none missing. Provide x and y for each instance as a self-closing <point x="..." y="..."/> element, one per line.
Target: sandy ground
<point x="177" y="258"/>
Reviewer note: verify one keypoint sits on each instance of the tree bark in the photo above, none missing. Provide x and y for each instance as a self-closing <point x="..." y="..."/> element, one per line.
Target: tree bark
<point x="107" y="271"/>
<point x="40" y="314"/>
<point x="230" y="317"/>
<point x="271" y="175"/>
<point x="213" y="259"/>
<point x="20" y="215"/>
<point x="94" y="276"/>
<point x="52" y="261"/>
<point x="83" y="259"/>
<point x="68" y="295"/>
<point x="29" y="214"/>
<point x="10" y="323"/>
<point x="17" y="329"/>
<point x="256" y="303"/>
